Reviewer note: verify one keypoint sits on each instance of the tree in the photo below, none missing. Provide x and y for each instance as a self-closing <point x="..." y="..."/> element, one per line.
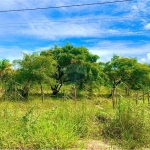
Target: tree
<point x="33" y="68"/>
<point x="119" y="70"/>
<point x="5" y="69"/>
<point x="140" y="76"/>
<point x="70" y="57"/>
<point x="126" y="70"/>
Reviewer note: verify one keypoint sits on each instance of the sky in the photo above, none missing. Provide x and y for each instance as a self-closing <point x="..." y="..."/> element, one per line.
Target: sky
<point x="121" y="28"/>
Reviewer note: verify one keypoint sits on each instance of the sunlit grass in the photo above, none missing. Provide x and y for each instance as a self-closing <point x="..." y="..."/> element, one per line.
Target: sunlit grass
<point x="61" y="124"/>
<point x="52" y="124"/>
<point x="129" y="126"/>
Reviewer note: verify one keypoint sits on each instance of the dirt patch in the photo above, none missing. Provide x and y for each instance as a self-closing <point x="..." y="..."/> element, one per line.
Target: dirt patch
<point x="99" y="145"/>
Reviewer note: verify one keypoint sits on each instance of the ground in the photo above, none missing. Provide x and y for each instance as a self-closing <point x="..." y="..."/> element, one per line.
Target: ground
<point x="99" y="145"/>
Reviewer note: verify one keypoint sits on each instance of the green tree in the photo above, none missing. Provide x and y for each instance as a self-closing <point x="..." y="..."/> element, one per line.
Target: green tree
<point x="126" y="70"/>
<point x="73" y="59"/>
<point x="119" y="70"/>
<point x="5" y="69"/>
<point x="140" y="76"/>
<point x="33" y="68"/>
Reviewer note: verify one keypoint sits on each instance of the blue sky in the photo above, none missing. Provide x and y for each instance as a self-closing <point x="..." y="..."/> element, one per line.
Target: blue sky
<point x="120" y="28"/>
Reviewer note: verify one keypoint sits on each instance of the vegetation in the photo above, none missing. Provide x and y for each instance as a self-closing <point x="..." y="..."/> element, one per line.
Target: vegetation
<point x="82" y="64"/>
<point x="129" y="126"/>
<point x="52" y="125"/>
<point x="76" y="92"/>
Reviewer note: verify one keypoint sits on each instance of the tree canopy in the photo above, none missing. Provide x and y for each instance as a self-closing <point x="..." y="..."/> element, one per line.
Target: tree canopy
<point x="69" y="56"/>
<point x="34" y="68"/>
<point x="68" y="64"/>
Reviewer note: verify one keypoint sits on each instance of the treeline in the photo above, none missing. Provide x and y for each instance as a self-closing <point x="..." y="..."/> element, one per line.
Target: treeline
<point x="66" y="65"/>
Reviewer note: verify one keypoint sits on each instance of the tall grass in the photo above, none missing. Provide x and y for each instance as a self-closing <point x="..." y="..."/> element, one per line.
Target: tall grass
<point x="44" y="126"/>
<point x="57" y="124"/>
<point x="129" y="126"/>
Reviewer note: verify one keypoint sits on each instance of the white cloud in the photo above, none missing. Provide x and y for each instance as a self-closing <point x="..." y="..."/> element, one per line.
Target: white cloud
<point x="55" y="31"/>
<point x="12" y="53"/>
<point x="143" y="60"/>
<point x="147" y="27"/>
<point x="103" y="24"/>
<point x="106" y="50"/>
<point x="148" y="56"/>
<point x="146" y="59"/>
<point x="51" y="30"/>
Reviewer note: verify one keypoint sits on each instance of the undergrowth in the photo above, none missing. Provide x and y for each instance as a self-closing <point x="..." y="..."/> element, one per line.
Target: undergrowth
<point x="129" y="127"/>
<point x="55" y="126"/>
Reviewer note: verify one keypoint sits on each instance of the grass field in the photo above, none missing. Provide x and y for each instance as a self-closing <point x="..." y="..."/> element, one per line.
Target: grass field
<point x="59" y="124"/>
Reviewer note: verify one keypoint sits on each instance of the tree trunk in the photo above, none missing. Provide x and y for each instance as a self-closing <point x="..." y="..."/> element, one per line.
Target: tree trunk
<point x="113" y="96"/>
<point x="55" y="92"/>
<point x="42" y="93"/>
<point x="117" y="95"/>
<point x="148" y="98"/>
<point x="56" y="89"/>
<point x="143" y="96"/>
<point x="25" y="92"/>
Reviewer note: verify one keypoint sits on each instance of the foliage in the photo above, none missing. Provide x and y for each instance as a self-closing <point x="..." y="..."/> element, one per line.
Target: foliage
<point x="5" y="69"/>
<point x="119" y="69"/>
<point x="33" y="68"/>
<point x="140" y="76"/>
<point x="66" y="57"/>
<point x="128" y="71"/>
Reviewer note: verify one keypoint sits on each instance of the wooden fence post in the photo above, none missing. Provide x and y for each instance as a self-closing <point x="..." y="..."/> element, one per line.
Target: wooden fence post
<point x="148" y="98"/>
<point x="42" y="93"/>
<point x="136" y="98"/>
<point x="113" y="99"/>
<point x="143" y="96"/>
<point x="117" y="96"/>
<point x="75" y="93"/>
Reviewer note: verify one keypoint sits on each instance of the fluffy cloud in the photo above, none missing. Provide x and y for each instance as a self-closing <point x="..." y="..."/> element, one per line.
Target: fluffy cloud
<point x="101" y="25"/>
<point x="147" y="27"/>
<point x="101" y="21"/>
<point x="12" y="53"/>
<point x="107" y="49"/>
<point x="146" y="59"/>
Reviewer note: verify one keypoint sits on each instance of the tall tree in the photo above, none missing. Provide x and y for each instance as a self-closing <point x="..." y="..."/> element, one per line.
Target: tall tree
<point x="73" y="59"/>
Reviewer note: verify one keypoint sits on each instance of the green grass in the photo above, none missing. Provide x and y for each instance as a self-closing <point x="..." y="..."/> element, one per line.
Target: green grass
<point x="129" y="126"/>
<point x="61" y="124"/>
<point x="53" y="124"/>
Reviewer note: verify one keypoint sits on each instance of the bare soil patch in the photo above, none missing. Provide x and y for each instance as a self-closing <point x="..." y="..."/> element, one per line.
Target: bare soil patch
<point x="100" y="145"/>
